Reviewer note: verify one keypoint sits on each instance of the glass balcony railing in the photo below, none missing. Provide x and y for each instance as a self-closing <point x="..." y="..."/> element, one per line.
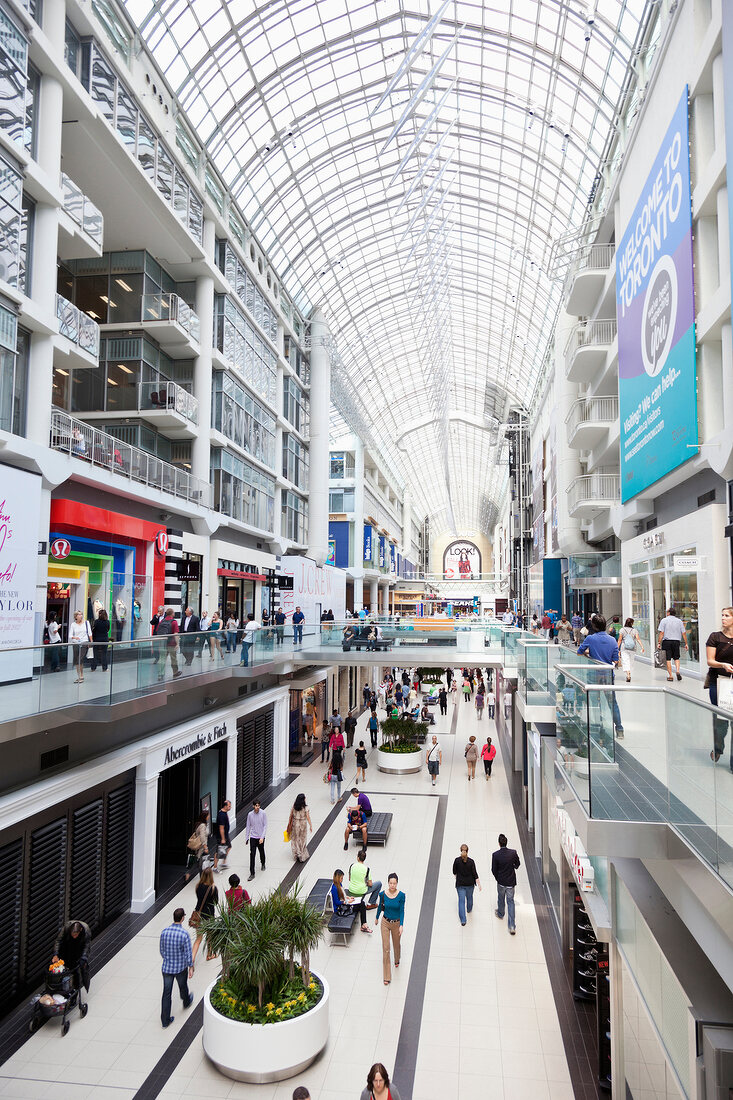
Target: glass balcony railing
<point x="82" y="210"/>
<point x="661" y="769"/>
<point x="80" y="440"/>
<point x="77" y="326"/>
<point x="168" y="395"/>
<point x="169" y="307"/>
<point x="603" y="567"/>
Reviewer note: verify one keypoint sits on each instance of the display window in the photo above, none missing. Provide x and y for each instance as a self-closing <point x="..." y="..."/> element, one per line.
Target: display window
<point x="656" y="586"/>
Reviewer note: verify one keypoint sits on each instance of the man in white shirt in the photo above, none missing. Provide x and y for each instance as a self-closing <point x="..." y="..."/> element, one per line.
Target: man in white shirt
<point x="671" y="631"/>
<point x="254" y="835"/>
<point x="434" y="758"/>
<point x="508" y="618"/>
<point x="249" y="636"/>
<point x="490" y="702"/>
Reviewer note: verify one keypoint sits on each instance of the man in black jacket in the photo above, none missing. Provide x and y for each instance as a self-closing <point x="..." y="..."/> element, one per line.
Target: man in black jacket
<point x="189" y="625"/>
<point x="504" y="863"/>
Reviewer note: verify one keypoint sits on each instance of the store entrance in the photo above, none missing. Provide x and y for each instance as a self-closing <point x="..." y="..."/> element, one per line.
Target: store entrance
<point x="184" y="790"/>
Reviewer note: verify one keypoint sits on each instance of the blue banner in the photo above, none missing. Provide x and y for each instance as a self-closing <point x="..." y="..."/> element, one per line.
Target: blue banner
<point x="367" y="542"/>
<point x="392" y="557"/>
<point x="655" y="306"/>
<point x="382" y="551"/>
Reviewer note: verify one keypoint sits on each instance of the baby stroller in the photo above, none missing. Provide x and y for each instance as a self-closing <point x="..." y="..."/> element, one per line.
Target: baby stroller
<point x="62" y="994"/>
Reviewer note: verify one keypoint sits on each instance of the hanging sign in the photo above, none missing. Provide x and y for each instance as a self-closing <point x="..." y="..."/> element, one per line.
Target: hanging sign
<point x="60" y="549"/>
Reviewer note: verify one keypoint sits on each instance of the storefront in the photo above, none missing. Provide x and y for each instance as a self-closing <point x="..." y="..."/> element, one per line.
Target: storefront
<point x="104" y="560"/>
<point x="667" y="568"/>
<point x="307" y="709"/>
<point x="189" y="569"/>
<point x="237" y="589"/>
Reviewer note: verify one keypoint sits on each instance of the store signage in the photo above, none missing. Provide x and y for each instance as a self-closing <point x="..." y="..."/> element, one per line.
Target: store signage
<point x="313" y="585"/>
<point x="60" y="548"/>
<point x="461" y="561"/>
<point x="188" y="570"/>
<point x="649" y="542"/>
<point x="238" y="574"/>
<point x="367" y="542"/>
<point x="284" y="583"/>
<point x="174" y="753"/>
<point x="161" y="543"/>
<point x="574" y="851"/>
<point x="687" y="563"/>
<point x="20" y="505"/>
<point x="655" y="307"/>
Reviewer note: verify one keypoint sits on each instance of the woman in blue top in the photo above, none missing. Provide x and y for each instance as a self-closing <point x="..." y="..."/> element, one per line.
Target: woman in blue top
<point x="338" y="897"/>
<point x="392" y="904"/>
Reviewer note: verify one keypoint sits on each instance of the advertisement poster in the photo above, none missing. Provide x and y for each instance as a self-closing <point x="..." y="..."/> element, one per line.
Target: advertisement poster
<point x="331" y="559"/>
<point x="554" y="534"/>
<point x="313" y="585"/>
<point x="20" y="503"/>
<point x="392" y="558"/>
<point x="538" y="503"/>
<point x="368" y="542"/>
<point x="382" y="551"/>
<point x="461" y="561"/>
<point x="655" y="306"/>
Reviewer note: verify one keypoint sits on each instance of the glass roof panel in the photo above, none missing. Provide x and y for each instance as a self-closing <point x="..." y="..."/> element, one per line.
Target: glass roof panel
<point x="428" y="257"/>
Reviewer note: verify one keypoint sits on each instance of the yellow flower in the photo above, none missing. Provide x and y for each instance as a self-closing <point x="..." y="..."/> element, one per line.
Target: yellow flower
<point x="278" y="1012"/>
<point x="301" y="997"/>
<point x="269" y="1006"/>
<point x="251" y="1008"/>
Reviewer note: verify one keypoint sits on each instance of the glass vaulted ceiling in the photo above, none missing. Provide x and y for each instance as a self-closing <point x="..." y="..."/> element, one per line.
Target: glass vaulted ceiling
<point x="407" y="166"/>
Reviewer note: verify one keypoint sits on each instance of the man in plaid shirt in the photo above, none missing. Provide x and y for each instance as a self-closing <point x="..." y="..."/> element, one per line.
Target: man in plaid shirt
<point x="175" y="948"/>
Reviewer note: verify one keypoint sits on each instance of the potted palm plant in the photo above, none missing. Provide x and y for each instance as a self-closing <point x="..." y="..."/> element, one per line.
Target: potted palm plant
<point x="400" y="752"/>
<point x="266" y="1015"/>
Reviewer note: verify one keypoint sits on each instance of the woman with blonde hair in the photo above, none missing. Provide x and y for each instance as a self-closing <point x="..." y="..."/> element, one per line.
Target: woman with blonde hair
<point x="471" y="755"/>
<point x="207" y="896"/>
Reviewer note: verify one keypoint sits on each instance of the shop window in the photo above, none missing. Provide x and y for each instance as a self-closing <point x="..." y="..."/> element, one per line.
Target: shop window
<point x="72" y="49"/>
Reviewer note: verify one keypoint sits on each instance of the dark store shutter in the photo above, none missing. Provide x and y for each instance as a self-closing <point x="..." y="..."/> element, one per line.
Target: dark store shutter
<point x="259" y="779"/>
<point x="11" y="892"/>
<point x="118" y="852"/>
<point x="269" y="748"/>
<point x="245" y="763"/>
<point x="86" y="864"/>
<point x="46" y="895"/>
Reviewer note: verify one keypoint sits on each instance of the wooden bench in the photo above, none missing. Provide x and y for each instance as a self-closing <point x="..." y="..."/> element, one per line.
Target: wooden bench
<point x="378" y="827"/>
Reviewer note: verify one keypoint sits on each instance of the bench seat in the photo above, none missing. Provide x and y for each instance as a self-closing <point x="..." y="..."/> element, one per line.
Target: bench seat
<point x="378" y="827"/>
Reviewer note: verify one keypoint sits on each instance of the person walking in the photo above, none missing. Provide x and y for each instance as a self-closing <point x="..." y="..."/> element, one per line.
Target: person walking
<point x="564" y="631"/>
<point x="434" y="758"/>
<point x="298" y="621"/>
<point x="349" y="729"/>
<point x="454" y="692"/>
<point x="175" y="950"/>
<point x="373" y="725"/>
<point x="491" y="702"/>
<point x="671" y="631"/>
<point x="198" y="843"/>
<point x="336" y="740"/>
<point x="336" y="769"/>
<point x="325" y="740"/>
<point x="479" y="701"/>
<point x="80" y="636"/>
<point x="100" y="637"/>
<point x="379" y="1086"/>
<point x="471" y="754"/>
<point x="628" y="640"/>
<point x="298" y="824"/>
<point x="214" y="631"/>
<point x="360" y="881"/>
<point x="188" y="635"/>
<point x="504" y="863"/>
<point x="54" y="642"/>
<point x="576" y="623"/>
<point x="223" y="842"/>
<point x="255" y="833"/>
<point x="248" y="638"/>
<point x="601" y="647"/>
<point x="301" y="1093"/>
<point x="466" y="688"/>
<point x="167" y="631"/>
<point x="207" y="896"/>
<point x="392" y="904"/>
<point x="467" y="878"/>
<point x="443" y="700"/>
<point x="361" y="762"/>
<point x="279" y="620"/>
<point x="237" y="897"/>
<point x="719" y="654"/>
<point x="488" y="752"/>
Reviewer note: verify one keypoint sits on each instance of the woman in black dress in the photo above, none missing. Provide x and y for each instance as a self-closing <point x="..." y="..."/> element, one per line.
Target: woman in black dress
<point x="719" y="651"/>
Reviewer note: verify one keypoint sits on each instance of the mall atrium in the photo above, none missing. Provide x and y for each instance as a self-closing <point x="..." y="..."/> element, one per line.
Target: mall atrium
<point x="342" y="340"/>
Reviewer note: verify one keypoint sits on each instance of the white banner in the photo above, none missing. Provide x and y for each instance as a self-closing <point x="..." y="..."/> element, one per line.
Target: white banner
<point x="316" y="588"/>
<point x="20" y="504"/>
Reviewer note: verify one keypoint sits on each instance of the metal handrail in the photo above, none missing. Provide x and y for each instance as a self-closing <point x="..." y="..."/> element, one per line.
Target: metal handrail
<point x="589" y="333"/>
<point x="83" y="441"/>
<point x="601" y="487"/>
<point x="596" y="256"/>
<point x="590" y="410"/>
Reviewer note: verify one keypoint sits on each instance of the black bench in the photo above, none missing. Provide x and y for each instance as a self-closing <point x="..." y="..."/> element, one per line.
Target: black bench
<point x="319" y="895"/>
<point x="339" y="925"/>
<point x="379" y="645"/>
<point x="378" y="827"/>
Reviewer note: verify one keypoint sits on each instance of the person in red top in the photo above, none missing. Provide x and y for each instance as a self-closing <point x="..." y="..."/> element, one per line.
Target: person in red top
<point x="166" y="630"/>
<point x="237" y="897"/>
<point x="488" y="753"/>
<point x="546" y="625"/>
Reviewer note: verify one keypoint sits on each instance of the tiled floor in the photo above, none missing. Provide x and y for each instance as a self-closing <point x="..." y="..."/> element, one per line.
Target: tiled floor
<point x="488" y="1024"/>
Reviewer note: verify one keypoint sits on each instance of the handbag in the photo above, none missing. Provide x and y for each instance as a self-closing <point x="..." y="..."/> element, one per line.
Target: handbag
<point x="286" y="836"/>
<point x="193" y="842"/>
<point x="327" y="776"/>
<point x="725" y="692"/>
<point x="660" y="658"/>
<point x="195" y="919"/>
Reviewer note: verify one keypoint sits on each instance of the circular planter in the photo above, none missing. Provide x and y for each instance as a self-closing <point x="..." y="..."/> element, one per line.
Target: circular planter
<point x="400" y="763"/>
<point x="265" y="1052"/>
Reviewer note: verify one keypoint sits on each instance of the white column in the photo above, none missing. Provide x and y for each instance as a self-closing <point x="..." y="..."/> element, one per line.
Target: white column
<point x="54" y="21"/>
<point x="383" y="599"/>
<point x="373" y="595"/>
<point x="143" y="844"/>
<point x="320" y="401"/>
<point x="406" y="522"/>
<point x="281" y="726"/>
<point x="201" y="448"/>
<point x="231" y="787"/>
<point x="358" y="592"/>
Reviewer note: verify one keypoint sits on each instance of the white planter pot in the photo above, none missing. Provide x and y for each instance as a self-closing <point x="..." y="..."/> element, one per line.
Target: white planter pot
<point x="400" y="763"/>
<point x="265" y="1052"/>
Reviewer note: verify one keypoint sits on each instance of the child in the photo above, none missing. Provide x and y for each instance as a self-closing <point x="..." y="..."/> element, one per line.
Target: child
<point x="361" y="762"/>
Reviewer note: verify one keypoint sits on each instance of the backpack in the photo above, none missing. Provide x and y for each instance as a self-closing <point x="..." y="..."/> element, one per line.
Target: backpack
<point x="165" y="626"/>
<point x="629" y="641"/>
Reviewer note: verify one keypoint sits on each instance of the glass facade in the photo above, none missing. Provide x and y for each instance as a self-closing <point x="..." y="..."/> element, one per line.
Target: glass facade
<point x="294" y="517"/>
<point x="296" y="406"/>
<point x="242" y="419"/>
<point x="656" y="586"/>
<point x="241" y="491"/>
<point x="11" y="223"/>
<point x="295" y="461"/>
<point x="14" y="349"/>
<point x="246" y="289"/>
<point x="244" y="349"/>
